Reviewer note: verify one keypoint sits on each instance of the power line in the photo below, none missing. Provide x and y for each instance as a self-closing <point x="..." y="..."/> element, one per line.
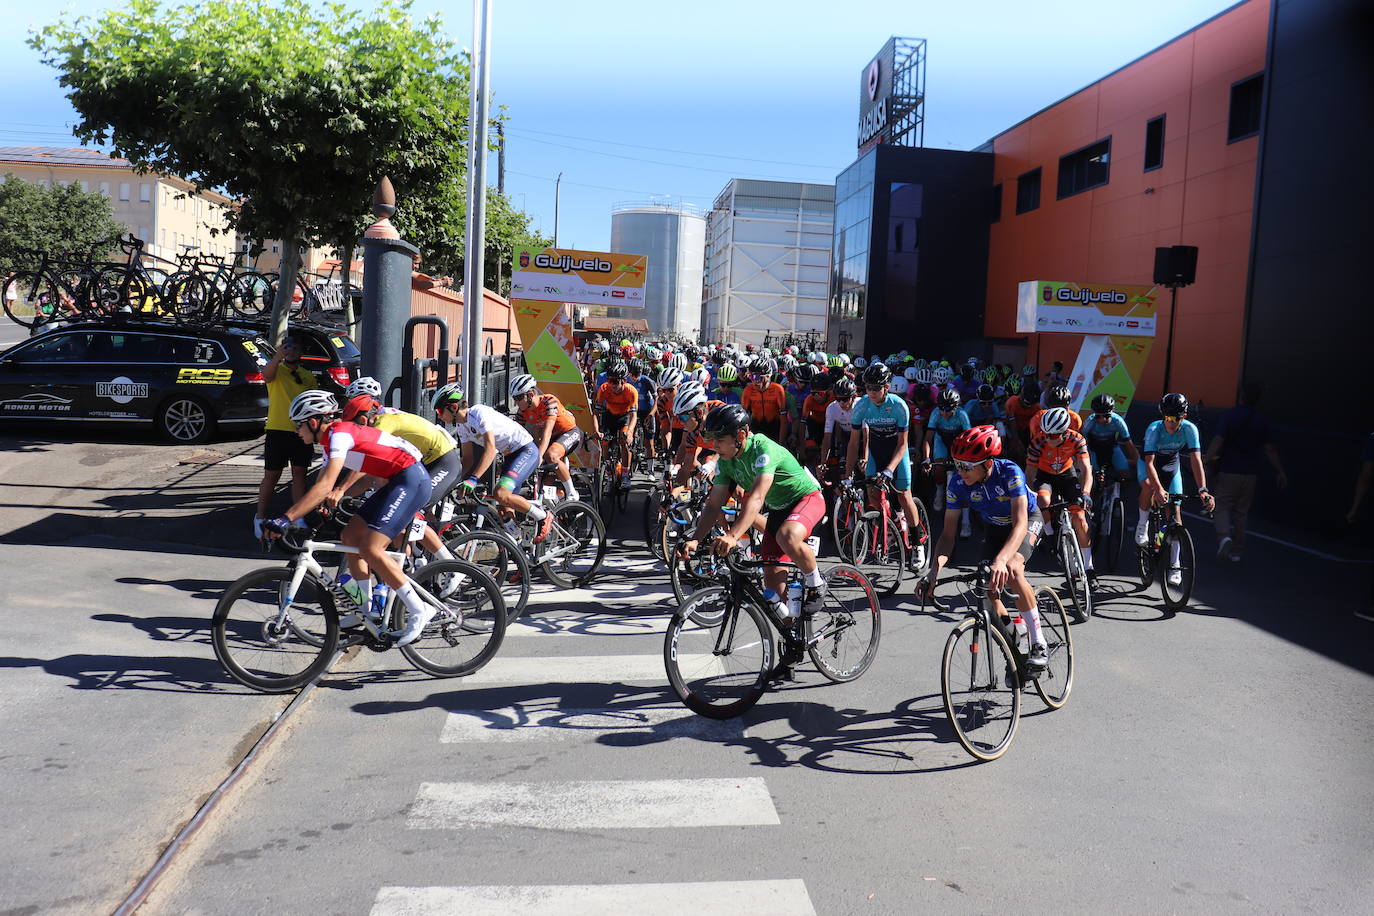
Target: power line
<point x="664" y="149"/>
<point x="602" y="187"/>
<point x="674" y="165"/>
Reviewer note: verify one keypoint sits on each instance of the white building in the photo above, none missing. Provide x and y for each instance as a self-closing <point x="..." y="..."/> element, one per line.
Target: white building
<point x="673" y="237"/>
<point x="768" y="260"/>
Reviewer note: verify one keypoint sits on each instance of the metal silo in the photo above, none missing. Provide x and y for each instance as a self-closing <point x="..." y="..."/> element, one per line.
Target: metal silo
<point x="674" y="238"/>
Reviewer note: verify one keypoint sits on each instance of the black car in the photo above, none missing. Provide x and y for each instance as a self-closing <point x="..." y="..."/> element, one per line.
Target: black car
<point x="326" y="351"/>
<point x="186" y="380"/>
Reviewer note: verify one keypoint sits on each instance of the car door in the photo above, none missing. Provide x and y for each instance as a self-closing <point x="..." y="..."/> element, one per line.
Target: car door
<point x="124" y="374"/>
<point x="39" y="379"/>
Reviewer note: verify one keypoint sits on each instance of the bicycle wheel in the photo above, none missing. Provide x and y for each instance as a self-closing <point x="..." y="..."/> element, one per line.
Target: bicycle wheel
<point x="606" y="484"/>
<point x="878" y="551"/>
<point x="843" y="522"/>
<point x="1055" y="682"/>
<point x="687" y="576"/>
<point x="1176" y="537"/>
<point x="115" y="290"/>
<point x="654" y="514"/>
<point x="503" y="560"/>
<point x="718" y="668"/>
<point x="918" y="557"/>
<point x="29" y="298"/>
<point x="248" y="295"/>
<point x="1116" y="534"/>
<point x="1147" y="556"/>
<point x="842" y="638"/>
<point x="191" y="298"/>
<point x="575" y="547"/>
<point x="1075" y="576"/>
<point x="261" y="649"/>
<point x="973" y="682"/>
<point x="470" y="623"/>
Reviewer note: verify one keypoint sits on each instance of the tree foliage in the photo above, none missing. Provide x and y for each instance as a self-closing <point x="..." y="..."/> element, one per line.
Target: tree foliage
<point x="53" y="219"/>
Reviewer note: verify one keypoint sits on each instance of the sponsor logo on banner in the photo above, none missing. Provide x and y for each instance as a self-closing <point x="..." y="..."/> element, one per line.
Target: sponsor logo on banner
<point x="524" y="259"/>
<point x="568" y="264"/>
<point x="121" y="390"/>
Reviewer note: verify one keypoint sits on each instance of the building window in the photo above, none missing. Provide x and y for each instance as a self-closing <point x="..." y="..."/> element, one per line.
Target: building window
<point x="1028" y="192"/>
<point x="1154" y="143"/>
<point x="1084" y="169"/>
<point x="105" y="188"/>
<point x="123" y="190"/>
<point x="142" y="232"/>
<point x="164" y="238"/>
<point x="997" y="202"/>
<point x="1246" y="99"/>
<point x="145" y="193"/>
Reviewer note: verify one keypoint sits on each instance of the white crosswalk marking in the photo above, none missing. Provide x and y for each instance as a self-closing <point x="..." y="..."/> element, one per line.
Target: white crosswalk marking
<point x="519" y="723"/>
<point x="590" y="625"/>
<point x="572" y="669"/>
<point x="756" y="898"/>
<point x="594" y="804"/>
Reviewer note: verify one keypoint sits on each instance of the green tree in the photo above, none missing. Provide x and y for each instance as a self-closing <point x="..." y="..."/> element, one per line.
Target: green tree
<point x="295" y="111"/>
<point x="55" y="219"/>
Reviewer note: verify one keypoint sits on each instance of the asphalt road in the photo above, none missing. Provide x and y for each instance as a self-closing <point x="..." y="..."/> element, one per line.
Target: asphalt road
<point x="1216" y="761"/>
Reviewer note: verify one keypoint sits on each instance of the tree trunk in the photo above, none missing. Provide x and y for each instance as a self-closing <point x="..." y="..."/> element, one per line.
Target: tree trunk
<point x="352" y="320"/>
<point x="286" y="285"/>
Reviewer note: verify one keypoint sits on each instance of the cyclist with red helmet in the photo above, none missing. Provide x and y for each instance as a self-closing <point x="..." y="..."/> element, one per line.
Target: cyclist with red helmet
<point x="996" y="489"/>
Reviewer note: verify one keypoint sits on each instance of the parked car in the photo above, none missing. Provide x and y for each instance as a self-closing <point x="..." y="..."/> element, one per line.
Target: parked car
<point x="185" y="380"/>
<point x="326" y="351"/>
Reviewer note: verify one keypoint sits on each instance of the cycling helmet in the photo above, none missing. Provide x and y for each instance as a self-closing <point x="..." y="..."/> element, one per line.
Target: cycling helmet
<point x="765" y="366"/>
<point x="844" y="387"/>
<point x="1028" y="370"/>
<point x="727" y="373"/>
<point x="313" y="403"/>
<point x="701" y="376"/>
<point x="689" y="396"/>
<point x="725" y="420"/>
<point x="1171" y="405"/>
<point x="844" y="359"/>
<point x="652" y="354"/>
<point x="821" y="359"/>
<point x="1030" y="390"/>
<point x="719" y="357"/>
<point x="801" y="374"/>
<point x="603" y="346"/>
<point x="452" y="393"/>
<point x="627" y="350"/>
<point x="949" y="399"/>
<point x="925" y="376"/>
<point x="678" y="361"/>
<point x="363" y="385"/>
<point x="1055" y="421"/>
<point x="821" y="380"/>
<point x="362" y="404"/>
<point x="941" y="375"/>
<point x="635" y="366"/>
<point x="521" y="384"/>
<point x="977" y="444"/>
<point x="671" y="377"/>
<point x="877" y="374"/>
<point x="1058" y="396"/>
<point x="834" y="363"/>
<point x="617" y="369"/>
<point x="786" y="363"/>
<point x="899" y="386"/>
<point x="893" y="361"/>
<point x="1104" y="404"/>
<point x="1012" y="385"/>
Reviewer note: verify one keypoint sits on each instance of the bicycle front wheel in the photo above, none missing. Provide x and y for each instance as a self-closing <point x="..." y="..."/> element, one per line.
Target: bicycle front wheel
<point x="500" y="558"/>
<point x="918" y="558"/>
<point x="571" y="555"/>
<point x="269" y="643"/>
<point x="1055" y="682"/>
<point x="30" y="298"/>
<point x="718" y="654"/>
<point x="980" y="687"/>
<point x="1145" y="557"/>
<point x="842" y="638"/>
<point x="1076" y="577"/>
<point x="879" y="552"/>
<point x="1180" y="565"/>
<point x="470" y="622"/>
<point x="843" y="522"/>
<point x="1116" y="534"/>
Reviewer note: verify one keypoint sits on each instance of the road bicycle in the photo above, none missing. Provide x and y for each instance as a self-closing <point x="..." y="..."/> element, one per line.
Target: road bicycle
<point x="60" y="287"/>
<point x="1070" y="559"/>
<point x="703" y="568"/>
<point x="1108" y="521"/>
<point x="882" y="545"/>
<point x="569" y="557"/>
<point x="719" y="651"/>
<point x="983" y="669"/>
<point x="275" y="629"/>
<point x="610" y="485"/>
<point x="1168" y="549"/>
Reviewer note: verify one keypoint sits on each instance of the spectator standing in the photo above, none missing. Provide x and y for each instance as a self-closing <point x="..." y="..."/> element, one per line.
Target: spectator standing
<point x="1239" y="450"/>
<point x="286" y="378"/>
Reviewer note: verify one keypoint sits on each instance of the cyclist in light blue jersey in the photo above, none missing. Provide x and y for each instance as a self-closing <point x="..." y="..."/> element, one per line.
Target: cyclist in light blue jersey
<point x="1160" y="471"/>
<point x="947" y="422"/>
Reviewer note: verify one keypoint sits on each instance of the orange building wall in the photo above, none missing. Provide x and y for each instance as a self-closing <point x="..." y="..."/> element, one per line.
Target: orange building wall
<point x="1203" y="195"/>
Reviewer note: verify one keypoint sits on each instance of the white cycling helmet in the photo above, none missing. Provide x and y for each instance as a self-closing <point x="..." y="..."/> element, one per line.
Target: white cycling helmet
<point x="925" y="376"/>
<point x="899" y="386"/>
<point x="671" y="377"/>
<point x="689" y="396"/>
<point x="701" y="376"/>
<point x="521" y="384"/>
<point x="603" y="345"/>
<point x="860" y="362"/>
<point x="313" y="403"/>
<point x="941" y="375"/>
<point x="1055" y="421"/>
<point x="363" y="385"/>
<point x="679" y="361"/>
<point x="911" y="374"/>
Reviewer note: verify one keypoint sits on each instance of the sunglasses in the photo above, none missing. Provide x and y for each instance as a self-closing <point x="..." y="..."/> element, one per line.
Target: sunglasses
<point x="1175" y="419"/>
<point x="875" y="387"/>
<point x="967" y="465"/>
<point x="685" y="417"/>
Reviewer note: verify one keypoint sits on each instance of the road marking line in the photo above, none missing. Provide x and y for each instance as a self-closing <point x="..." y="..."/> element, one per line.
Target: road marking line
<point x="571" y="669"/>
<point x="601" y="804"/>
<point x="517" y="723"/>
<point x="757" y="898"/>
<point x="591" y="625"/>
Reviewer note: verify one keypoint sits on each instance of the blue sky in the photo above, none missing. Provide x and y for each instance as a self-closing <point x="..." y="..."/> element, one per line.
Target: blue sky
<point x="633" y="100"/>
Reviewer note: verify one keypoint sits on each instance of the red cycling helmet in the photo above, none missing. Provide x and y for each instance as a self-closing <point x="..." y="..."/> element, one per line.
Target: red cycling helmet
<point x="977" y="444"/>
<point x="363" y="403"/>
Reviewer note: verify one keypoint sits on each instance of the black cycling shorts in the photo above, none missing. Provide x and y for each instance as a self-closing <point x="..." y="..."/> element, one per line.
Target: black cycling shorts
<point x="995" y="536"/>
<point x="1062" y="487"/>
<point x="445" y="473"/>
<point x="612" y="423"/>
<point x="281" y="448"/>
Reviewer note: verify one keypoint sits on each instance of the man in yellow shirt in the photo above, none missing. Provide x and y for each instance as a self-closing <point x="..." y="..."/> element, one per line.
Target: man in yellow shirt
<point x="286" y="378"/>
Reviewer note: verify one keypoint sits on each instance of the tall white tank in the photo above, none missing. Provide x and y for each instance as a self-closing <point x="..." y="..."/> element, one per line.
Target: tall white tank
<point x="674" y="238"/>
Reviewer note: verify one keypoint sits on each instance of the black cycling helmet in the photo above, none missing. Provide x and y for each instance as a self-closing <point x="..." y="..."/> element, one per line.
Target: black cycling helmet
<point x="1173" y="405"/>
<point x="844" y="387"/>
<point x="986" y="392"/>
<point x="617" y="369"/>
<point x="821" y="379"/>
<point x="1104" y="404"/>
<point x="877" y="374"/>
<point x="725" y="420"/>
<point x="719" y="358"/>
<point x="635" y="366"/>
<point x="1058" y="396"/>
<point x="801" y="374"/>
<point x="1030" y="391"/>
<point x="949" y="400"/>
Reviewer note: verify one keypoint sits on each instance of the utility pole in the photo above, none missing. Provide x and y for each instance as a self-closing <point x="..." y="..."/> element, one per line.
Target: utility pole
<point x="501" y="158"/>
<point x="557" y="190"/>
<point x="473" y="281"/>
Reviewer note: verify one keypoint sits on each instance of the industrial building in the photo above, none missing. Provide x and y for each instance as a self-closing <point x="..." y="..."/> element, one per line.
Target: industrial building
<point x="673" y="236"/>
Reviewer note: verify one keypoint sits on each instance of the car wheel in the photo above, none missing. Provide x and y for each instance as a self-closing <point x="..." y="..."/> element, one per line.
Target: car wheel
<point x="186" y="420"/>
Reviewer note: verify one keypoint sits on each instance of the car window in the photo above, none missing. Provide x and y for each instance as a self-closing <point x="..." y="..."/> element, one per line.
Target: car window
<point x="345" y="345"/>
<point x="313" y="349"/>
<point x="193" y="350"/>
<point x="60" y="348"/>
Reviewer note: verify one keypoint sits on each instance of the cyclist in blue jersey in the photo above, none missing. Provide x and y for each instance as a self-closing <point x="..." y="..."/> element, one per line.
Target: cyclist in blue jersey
<point x="1160" y="470"/>
<point x="947" y="422"/>
<point x="986" y="409"/>
<point x="996" y="489"/>
<point x="648" y="398"/>
<point x="881" y="423"/>
<point x="1109" y="439"/>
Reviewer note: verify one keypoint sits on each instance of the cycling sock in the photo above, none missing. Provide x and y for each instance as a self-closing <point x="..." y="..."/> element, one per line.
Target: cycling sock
<point x="444" y="553"/>
<point x="536" y="512"/>
<point x="1032" y="619"/>
<point x="1087" y="557"/>
<point x="1144" y="519"/>
<point x="407" y="593"/>
<point x="813" y="579"/>
<point x="1173" y="552"/>
<point x="571" y="490"/>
